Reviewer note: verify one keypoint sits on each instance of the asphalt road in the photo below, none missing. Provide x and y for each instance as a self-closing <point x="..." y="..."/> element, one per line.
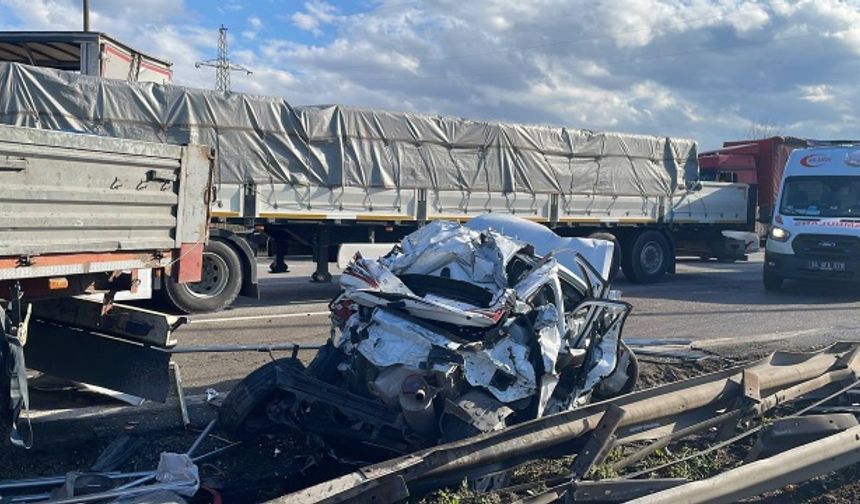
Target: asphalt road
<point x="720" y="307"/>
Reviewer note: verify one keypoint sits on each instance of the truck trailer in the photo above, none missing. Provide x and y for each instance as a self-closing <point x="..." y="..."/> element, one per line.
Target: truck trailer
<point x="319" y="176"/>
<point x="759" y="163"/>
<point x="86" y="221"/>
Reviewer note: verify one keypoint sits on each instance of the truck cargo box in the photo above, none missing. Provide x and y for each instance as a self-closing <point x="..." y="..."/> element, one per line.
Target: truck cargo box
<point x="73" y="204"/>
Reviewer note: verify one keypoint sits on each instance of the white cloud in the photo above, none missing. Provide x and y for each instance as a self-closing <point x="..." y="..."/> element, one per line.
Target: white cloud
<point x="816" y="94"/>
<point x="256" y="24"/>
<point x="706" y="69"/>
<point x="316" y="14"/>
<point x="306" y="21"/>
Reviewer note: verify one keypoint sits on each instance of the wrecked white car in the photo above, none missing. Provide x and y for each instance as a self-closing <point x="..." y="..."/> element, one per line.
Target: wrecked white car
<point x="458" y="330"/>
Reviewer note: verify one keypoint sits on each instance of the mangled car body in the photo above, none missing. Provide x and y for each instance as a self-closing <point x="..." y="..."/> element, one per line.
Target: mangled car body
<point x="458" y="330"/>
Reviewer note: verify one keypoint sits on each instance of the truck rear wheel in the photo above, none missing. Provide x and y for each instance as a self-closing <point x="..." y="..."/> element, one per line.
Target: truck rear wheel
<point x="616" y="255"/>
<point x="219" y="286"/>
<point x="647" y="257"/>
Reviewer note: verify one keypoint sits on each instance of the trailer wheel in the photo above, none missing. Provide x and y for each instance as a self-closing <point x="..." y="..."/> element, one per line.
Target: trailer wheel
<point x="616" y="253"/>
<point x="648" y="257"/>
<point x="219" y="286"/>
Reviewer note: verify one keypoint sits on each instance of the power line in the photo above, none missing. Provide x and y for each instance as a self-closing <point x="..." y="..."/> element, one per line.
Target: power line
<point x="222" y="64"/>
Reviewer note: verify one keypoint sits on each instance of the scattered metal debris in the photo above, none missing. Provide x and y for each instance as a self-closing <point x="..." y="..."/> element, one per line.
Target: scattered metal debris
<point x="175" y="477"/>
<point x="458" y="330"/>
<point x="211" y="394"/>
<point x="713" y="406"/>
<point x="667" y="348"/>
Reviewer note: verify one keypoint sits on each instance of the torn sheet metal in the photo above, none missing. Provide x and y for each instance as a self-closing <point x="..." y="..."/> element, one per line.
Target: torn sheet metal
<point x="457" y="331"/>
<point x="598" y="253"/>
<point x="395" y="340"/>
<point x="504" y="369"/>
<point x="506" y="360"/>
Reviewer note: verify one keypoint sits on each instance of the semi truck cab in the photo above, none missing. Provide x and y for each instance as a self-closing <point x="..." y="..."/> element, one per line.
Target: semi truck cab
<point x="815" y="234"/>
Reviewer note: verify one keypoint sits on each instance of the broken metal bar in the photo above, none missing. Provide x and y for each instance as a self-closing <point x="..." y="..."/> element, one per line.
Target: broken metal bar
<point x="189" y="453"/>
<point x="263" y="347"/>
<point x="666" y="440"/>
<point x="59" y="480"/>
<point x="118" y="492"/>
<point x="786" y="433"/>
<point x="799" y="464"/>
<point x="180" y="393"/>
<point x="742" y="435"/>
<point x="601" y="440"/>
<point x="547" y="483"/>
<point x="620" y="490"/>
<point x="605" y="491"/>
<point x="201" y="437"/>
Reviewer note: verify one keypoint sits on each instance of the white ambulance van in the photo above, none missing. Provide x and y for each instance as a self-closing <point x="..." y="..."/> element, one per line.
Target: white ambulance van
<point x="815" y="234"/>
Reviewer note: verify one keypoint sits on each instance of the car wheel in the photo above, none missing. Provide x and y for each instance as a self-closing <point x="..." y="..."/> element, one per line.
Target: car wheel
<point x="243" y="412"/>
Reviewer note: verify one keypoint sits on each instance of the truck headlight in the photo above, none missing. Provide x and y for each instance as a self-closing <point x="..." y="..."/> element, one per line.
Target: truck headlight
<point x="779" y="234"/>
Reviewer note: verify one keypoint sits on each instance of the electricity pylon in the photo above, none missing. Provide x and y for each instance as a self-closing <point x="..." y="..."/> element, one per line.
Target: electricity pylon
<point x="222" y="64"/>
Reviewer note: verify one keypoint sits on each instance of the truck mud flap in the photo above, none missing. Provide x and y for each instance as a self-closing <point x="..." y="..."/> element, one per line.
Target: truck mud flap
<point x="250" y="284"/>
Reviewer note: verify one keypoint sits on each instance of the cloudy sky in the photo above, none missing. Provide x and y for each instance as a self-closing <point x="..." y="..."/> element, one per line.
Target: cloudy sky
<point x="711" y="70"/>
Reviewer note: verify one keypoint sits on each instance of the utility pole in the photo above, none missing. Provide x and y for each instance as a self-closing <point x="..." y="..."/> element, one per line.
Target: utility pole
<point x="86" y="15"/>
<point x="222" y="64"/>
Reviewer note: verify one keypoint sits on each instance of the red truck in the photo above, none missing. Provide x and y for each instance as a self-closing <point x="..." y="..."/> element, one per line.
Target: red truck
<point x="758" y="163"/>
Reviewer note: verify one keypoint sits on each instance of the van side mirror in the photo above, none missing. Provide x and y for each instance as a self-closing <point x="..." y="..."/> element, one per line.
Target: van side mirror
<point x="765" y="214"/>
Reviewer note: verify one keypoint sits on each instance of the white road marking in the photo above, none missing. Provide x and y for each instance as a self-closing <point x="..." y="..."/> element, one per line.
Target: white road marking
<point x="258" y="317"/>
<point x="759" y="338"/>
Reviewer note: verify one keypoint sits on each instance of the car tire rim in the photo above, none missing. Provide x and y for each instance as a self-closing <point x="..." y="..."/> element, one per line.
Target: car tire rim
<point x="213" y="279"/>
<point x="651" y="257"/>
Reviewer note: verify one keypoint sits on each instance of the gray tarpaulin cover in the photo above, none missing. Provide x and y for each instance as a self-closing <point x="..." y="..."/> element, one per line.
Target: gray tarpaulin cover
<point x="266" y="140"/>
